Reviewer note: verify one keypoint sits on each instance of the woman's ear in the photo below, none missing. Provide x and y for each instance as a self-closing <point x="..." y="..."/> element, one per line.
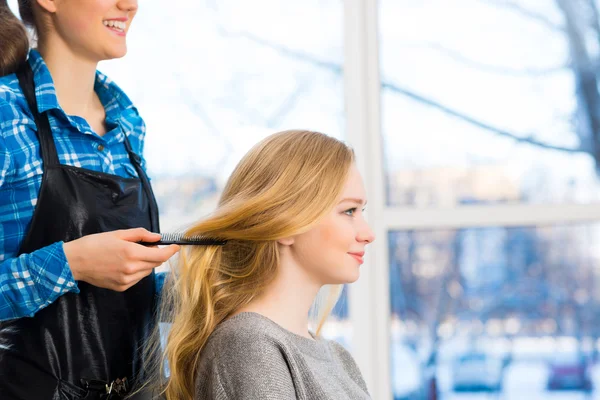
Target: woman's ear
<point x="288" y="241"/>
<point x="48" y="5"/>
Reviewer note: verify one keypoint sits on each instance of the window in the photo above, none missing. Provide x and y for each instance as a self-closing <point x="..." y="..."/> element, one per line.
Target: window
<point x="212" y="78"/>
<point x="489" y="114"/>
<point x="486" y="296"/>
<point x="490" y="101"/>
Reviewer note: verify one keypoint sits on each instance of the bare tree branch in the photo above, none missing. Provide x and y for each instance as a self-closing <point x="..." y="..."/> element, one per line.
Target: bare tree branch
<point x="336" y="68"/>
<point x="588" y="97"/>
<point x="540" y="18"/>
<point x="457" y="56"/>
<point x="595" y="18"/>
<point x="295" y="54"/>
<point x="529" y="138"/>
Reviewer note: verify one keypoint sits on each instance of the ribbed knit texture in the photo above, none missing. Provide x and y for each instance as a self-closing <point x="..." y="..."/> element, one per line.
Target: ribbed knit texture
<point x="250" y="357"/>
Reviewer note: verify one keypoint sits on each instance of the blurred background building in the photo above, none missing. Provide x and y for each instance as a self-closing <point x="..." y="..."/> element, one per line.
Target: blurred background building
<point x="477" y="129"/>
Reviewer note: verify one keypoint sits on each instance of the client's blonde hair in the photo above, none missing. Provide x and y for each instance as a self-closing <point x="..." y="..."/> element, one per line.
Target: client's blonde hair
<point x="282" y="187"/>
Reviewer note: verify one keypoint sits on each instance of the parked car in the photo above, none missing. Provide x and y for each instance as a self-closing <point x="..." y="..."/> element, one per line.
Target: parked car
<point x="569" y="371"/>
<point x="477" y="372"/>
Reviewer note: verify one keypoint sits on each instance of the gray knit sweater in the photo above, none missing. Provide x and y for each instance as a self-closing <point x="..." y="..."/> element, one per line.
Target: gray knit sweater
<point x="250" y="357"/>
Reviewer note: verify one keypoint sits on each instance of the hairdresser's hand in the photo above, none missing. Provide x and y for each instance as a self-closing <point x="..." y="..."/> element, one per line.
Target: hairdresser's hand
<point x="113" y="260"/>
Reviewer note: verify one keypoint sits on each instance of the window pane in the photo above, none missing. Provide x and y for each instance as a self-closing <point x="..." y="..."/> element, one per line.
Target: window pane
<point x="213" y="78"/>
<point x="490" y="101"/>
<point x="488" y="309"/>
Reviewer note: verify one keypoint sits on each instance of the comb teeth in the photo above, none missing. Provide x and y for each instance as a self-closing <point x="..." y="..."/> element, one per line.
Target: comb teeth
<point x="181" y="239"/>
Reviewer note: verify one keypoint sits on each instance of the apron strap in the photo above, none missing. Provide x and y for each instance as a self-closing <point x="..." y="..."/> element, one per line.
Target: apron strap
<point x="44" y="132"/>
<point x="136" y="161"/>
<point x="48" y="148"/>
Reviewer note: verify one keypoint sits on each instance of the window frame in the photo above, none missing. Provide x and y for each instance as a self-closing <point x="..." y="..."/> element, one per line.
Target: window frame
<point x="369" y="297"/>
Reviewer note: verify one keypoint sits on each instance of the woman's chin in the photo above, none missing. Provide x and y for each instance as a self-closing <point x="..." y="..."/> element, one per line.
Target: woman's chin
<point x="347" y="278"/>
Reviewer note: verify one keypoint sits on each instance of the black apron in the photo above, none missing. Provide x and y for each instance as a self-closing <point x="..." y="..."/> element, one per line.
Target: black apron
<point x="82" y="344"/>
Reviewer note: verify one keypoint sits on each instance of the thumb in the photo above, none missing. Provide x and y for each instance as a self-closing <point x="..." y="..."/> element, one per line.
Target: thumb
<point x="138" y="235"/>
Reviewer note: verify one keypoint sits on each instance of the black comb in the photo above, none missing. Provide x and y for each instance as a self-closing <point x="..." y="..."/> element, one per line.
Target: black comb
<point x="181" y="239"/>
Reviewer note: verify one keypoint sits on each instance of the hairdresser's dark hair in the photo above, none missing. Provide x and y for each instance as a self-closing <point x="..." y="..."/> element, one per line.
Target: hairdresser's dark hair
<point x="14" y="42"/>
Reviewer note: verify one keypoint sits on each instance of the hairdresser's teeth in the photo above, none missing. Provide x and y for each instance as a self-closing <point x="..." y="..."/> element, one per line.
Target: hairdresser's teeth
<point x="120" y="25"/>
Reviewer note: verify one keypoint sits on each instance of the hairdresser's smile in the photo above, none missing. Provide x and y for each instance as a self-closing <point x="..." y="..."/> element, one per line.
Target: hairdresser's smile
<point x="117" y="25"/>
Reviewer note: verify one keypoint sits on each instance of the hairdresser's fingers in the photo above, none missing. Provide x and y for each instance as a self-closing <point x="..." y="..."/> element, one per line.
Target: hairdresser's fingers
<point x="125" y="281"/>
<point x="152" y="254"/>
<point x="137" y="235"/>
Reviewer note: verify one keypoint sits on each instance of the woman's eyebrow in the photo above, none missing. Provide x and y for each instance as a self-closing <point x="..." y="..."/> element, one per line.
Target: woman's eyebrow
<point x="354" y="200"/>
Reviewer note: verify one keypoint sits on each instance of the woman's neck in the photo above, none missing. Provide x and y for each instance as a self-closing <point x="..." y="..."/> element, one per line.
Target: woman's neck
<point x="287" y="300"/>
<point x="74" y="78"/>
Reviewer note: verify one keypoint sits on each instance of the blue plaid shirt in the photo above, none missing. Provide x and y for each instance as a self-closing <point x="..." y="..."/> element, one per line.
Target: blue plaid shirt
<point x="32" y="281"/>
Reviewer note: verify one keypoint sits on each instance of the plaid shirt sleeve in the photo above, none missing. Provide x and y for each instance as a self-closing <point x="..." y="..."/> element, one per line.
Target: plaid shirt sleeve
<point x="29" y="282"/>
<point x="32" y="281"/>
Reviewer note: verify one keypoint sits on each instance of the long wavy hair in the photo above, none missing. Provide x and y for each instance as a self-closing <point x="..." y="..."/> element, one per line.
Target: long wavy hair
<point x="282" y="187"/>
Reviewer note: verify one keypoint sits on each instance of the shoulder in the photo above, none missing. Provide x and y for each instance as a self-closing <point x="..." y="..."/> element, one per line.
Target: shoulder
<point x="17" y="126"/>
<point x="247" y="356"/>
<point x="247" y="334"/>
<point x="119" y="106"/>
<point x="347" y="362"/>
<point x="106" y="87"/>
<point x="13" y="106"/>
<point x="244" y="342"/>
<point x="340" y="350"/>
<point x="9" y="88"/>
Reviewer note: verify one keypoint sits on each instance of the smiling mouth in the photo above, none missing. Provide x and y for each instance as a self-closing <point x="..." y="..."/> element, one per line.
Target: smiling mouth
<point x="118" y="26"/>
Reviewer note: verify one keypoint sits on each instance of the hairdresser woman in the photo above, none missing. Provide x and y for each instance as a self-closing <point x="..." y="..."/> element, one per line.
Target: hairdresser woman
<point x="76" y="290"/>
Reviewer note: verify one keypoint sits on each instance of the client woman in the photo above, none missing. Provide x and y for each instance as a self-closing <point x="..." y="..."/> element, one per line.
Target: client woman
<point x="292" y="215"/>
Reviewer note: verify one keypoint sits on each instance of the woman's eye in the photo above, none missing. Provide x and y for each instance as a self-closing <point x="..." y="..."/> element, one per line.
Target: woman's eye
<point x="350" y="212"/>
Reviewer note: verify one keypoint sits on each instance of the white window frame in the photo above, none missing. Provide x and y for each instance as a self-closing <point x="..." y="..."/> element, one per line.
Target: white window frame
<point x="369" y="298"/>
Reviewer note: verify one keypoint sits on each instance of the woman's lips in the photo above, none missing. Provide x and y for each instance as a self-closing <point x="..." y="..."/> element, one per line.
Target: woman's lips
<point x="358" y="256"/>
